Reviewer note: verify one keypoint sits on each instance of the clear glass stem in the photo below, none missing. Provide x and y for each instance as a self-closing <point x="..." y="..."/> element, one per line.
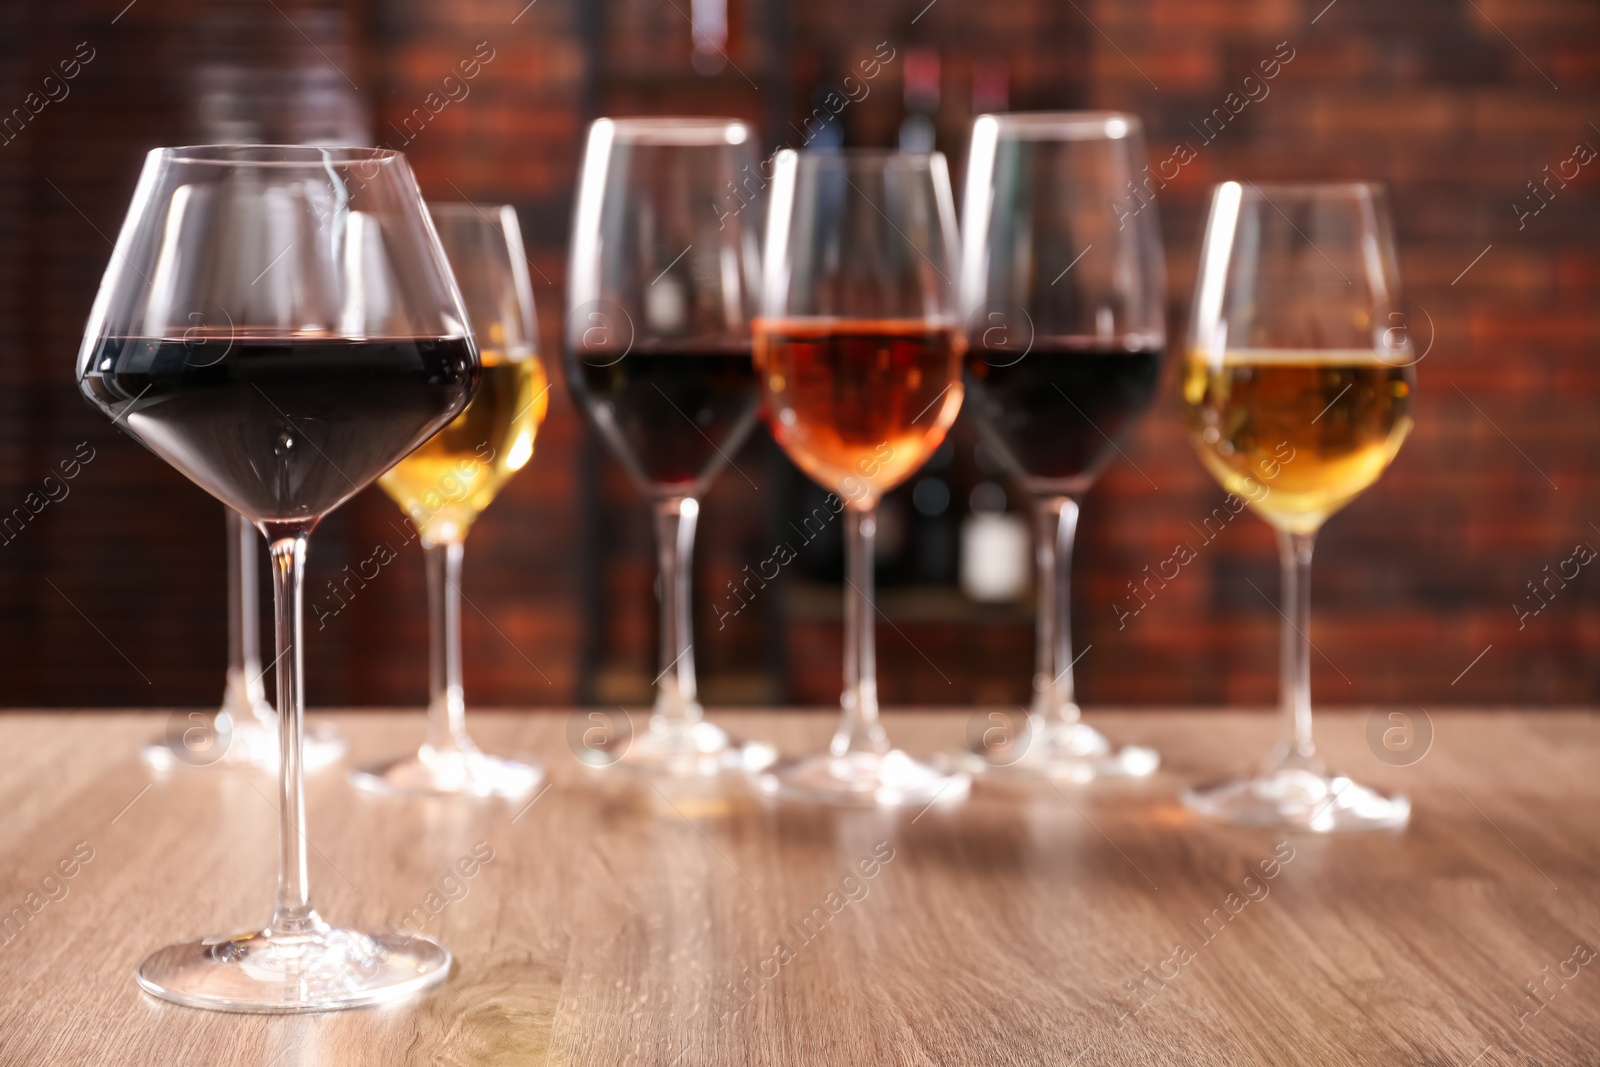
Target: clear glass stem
<point x="1055" y="525"/>
<point x="245" y="688"/>
<point x="859" y="729"/>
<point x="293" y="913"/>
<point x="447" y="730"/>
<point x="677" y="702"/>
<point x="1295" y="746"/>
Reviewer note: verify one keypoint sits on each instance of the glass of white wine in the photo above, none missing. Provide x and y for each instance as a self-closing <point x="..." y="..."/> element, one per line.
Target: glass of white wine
<point x="1299" y="386"/>
<point x="444" y="485"/>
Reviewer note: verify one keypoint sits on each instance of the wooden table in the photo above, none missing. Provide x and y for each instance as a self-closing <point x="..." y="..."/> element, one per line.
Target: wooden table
<point x="616" y="918"/>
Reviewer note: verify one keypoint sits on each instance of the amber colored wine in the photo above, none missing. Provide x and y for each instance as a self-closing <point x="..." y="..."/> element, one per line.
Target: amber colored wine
<point x="447" y="482"/>
<point x="1297" y="433"/>
<point x="859" y="404"/>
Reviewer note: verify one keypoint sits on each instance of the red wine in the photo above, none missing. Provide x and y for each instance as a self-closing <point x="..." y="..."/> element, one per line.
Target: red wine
<point x="283" y="430"/>
<point x="1057" y="415"/>
<point x="672" y="416"/>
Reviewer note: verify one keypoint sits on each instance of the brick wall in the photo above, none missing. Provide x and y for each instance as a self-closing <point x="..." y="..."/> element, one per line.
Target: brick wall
<point x="1457" y="106"/>
<point x="114" y="594"/>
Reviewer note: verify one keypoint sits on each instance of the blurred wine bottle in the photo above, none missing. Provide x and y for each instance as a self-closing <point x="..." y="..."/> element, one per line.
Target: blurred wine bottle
<point x="919" y="131"/>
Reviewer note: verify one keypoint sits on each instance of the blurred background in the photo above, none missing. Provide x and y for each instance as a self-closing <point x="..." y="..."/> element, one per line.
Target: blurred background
<point x="1479" y="113"/>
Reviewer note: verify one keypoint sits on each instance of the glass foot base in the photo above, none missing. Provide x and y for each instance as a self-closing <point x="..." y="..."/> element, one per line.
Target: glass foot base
<point x="686" y="750"/>
<point x="458" y="773"/>
<point x="1299" y="799"/>
<point x="324" y="970"/>
<point x="864" y="778"/>
<point x="202" y="743"/>
<point x="1074" y="752"/>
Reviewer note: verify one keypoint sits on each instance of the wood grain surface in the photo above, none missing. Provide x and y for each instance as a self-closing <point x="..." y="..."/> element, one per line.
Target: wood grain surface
<point x="624" y="922"/>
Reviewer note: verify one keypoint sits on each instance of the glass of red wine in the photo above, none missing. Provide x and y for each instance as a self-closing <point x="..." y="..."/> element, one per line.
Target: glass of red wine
<point x="280" y="324"/>
<point x="660" y="291"/>
<point x="1063" y="299"/>
<point x="859" y="350"/>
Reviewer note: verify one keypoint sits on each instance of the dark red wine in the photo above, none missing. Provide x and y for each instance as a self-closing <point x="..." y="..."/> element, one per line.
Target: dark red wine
<point x="671" y="416"/>
<point x="1057" y="415"/>
<point x="282" y="430"/>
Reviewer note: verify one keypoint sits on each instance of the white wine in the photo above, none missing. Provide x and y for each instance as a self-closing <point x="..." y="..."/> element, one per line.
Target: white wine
<point x="1297" y="433"/>
<point x="447" y="482"/>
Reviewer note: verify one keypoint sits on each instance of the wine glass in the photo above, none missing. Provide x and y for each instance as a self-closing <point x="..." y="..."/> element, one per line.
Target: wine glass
<point x="243" y="733"/>
<point x="444" y="485"/>
<point x="1298" y="389"/>
<point x="1063" y="297"/>
<point x="660" y="291"/>
<point x="858" y="351"/>
<point x="280" y="324"/>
